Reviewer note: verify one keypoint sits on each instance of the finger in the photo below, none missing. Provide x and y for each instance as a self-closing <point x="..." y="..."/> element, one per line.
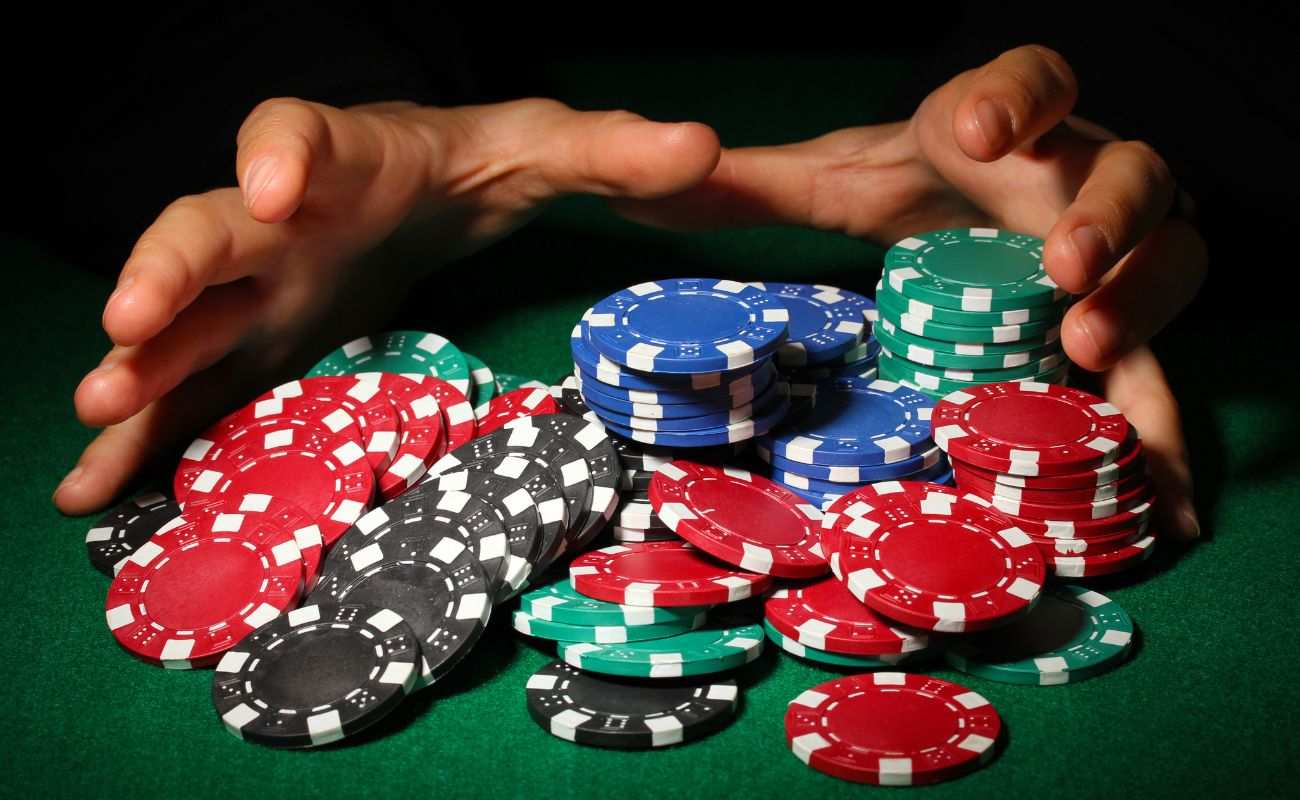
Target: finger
<point x="1136" y="386"/>
<point x="1127" y="193"/>
<point x="197" y="241"/>
<point x="1137" y="298"/>
<point x="130" y="378"/>
<point x="1008" y="102"/>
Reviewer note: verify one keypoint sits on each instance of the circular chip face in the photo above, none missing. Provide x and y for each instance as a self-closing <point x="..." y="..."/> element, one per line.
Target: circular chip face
<point x="1071" y="635"/>
<point x="661" y="574"/>
<point x="612" y="375"/>
<point x="126" y="527"/>
<point x="971" y="269"/>
<point x="513" y="405"/>
<point x="892" y="305"/>
<point x="529" y="625"/>
<point x="685" y="325"/>
<point x="857" y="422"/>
<point x="1090" y="566"/>
<point x="1029" y="428"/>
<point x="919" y="351"/>
<point x="196" y="589"/>
<point x="483" y="383"/>
<point x="560" y="602"/>
<point x="765" y="420"/>
<point x="591" y="710"/>
<point x="322" y="474"/>
<point x="892" y="729"/>
<point x="410" y="352"/>
<point x="714" y="648"/>
<point x="858" y="663"/>
<point x="741" y="518"/>
<point x="823" y="615"/>
<point x="378" y="421"/>
<point x="361" y="661"/>
<point x="423" y="434"/>
<point x="458" y="422"/>
<point x="825" y="321"/>
<point x="991" y="571"/>
<point x="247" y="515"/>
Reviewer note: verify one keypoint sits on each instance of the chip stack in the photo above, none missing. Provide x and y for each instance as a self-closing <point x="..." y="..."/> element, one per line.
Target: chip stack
<point x="1061" y="464"/>
<point x="969" y="306"/>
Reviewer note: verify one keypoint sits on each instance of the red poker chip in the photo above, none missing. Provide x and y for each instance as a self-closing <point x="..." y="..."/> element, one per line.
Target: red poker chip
<point x="422" y="430"/>
<point x="1102" y="509"/>
<point x="892" y="729"/>
<point x="942" y="563"/>
<point x="741" y="518"/>
<point x="1073" y="529"/>
<point x="459" y="424"/>
<point x="324" y="475"/>
<point x="1096" y="545"/>
<point x="1130" y="462"/>
<point x="1090" y="566"/>
<point x="380" y="426"/>
<point x="661" y="574"/>
<point x="525" y="402"/>
<point x="194" y="590"/>
<point x="1026" y="428"/>
<point x="824" y="616"/>
<point x="841" y="513"/>
<point x="244" y="515"/>
<point x="978" y="484"/>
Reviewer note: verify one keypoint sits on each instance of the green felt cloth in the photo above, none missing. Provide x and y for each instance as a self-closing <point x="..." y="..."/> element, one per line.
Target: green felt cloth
<point x="1205" y="708"/>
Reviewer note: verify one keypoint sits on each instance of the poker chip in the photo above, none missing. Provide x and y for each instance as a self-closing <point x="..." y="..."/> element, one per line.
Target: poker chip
<point x="560" y="602"/>
<point x="634" y="512"/>
<point x="734" y="389"/>
<point x="411" y="352"/>
<point x="1094" y="510"/>
<point x="1048" y="330"/>
<point x="661" y="574"/>
<point x="933" y="377"/>
<point x="980" y="484"/>
<point x="1029" y="428"/>
<point x="741" y="518"/>
<point x="438" y="587"/>
<point x="714" y="648"/>
<point x="924" y="380"/>
<point x="635" y="481"/>
<point x="971" y="269"/>
<point x="458" y="422"/>
<point x="423" y="434"/>
<point x="825" y="321"/>
<point x="126" y="527"/>
<point x="604" y="468"/>
<point x="1092" y="545"/>
<point x="892" y="305"/>
<point x="765" y="421"/>
<point x="509" y="382"/>
<point x="936" y="353"/>
<point x="361" y="662"/>
<point x="1091" y="566"/>
<point x="823" y="615"/>
<point x="991" y="571"/>
<point x="513" y="405"/>
<point x="1071" y="635"/>
<point x="1072" y="529"/>
<point x="892" y="729"/>
<point x="827" y="488"/>
<point x="796" y="648"/>
<point x="602" y="712"/>
<point x="641" y="416"/>
<point x="1130" y="461"/>
<point x="483" y="383"/>
<point x="856" y="422"/>
<point x="245" y="515"/>
<point x="378" y="423"/>
<point x="613" y="375"/>
<point x="529" y="625"/>
<point x="621" y="534"/>
<point x="199" y="586"/>
<point x="684" y="325"/>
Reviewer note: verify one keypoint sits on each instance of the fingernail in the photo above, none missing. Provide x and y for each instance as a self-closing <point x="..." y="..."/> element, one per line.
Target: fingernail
<point x="1099" y="330"/>
<point x="994" y="124"/>
<point x="1189" y="522"/>
<point x="258" y="177"/>
<point x="70" y="479"/>
<point x="1090" y="247"/>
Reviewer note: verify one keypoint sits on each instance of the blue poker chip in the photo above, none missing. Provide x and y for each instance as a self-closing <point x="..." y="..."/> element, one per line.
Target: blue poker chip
<point x="799" y="481"/>
<point x="870" y="473"/>
<point x="713" y="419"/>
<point x="687" y="325"/>
<point x="685" y="403"/>
<point x="612" y="374"/>
<point x="819" y="500"/>
<point x="767" y="419"/>
<point x="857" y="422"/>
<point x="825" y="322"/>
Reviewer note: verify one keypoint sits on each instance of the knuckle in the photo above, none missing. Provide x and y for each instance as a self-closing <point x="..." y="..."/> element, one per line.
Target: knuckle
<point x="1154" y="169"/>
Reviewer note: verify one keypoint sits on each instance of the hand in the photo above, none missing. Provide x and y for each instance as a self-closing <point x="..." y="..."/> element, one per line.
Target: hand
<point x="996" y="146"/>
<point x="247" y="278"/>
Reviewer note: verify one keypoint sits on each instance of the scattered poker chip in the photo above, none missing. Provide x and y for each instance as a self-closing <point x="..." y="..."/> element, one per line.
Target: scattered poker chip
<point x="661" y="574"/>
<point x="458" y="421"/>
<point x="715" y="648"/>
<point x="856" y="422"/>
<point x="529" y="625"/>
<point x="621" y="534"/>
<point x="423" y="433"/>
<point x="483" y="383"/>
<point x="560" y="602"/>
<point x="955" y="356"/>
<point x="601" y="712"/>
<point x="1091" y="566"/>
<point x="766" y="420"/>
<point x="126" y="527"/>
<point x="1029" y="428"/>
<point x="604" y="468"/>
<point x="323" y="412"/>
<point x="892" y="305"/>
<point x="685" y="325"/>
<point x="1131" y="460"/>
<point x="823" y="615"/>
<point x="741" y="518"/>
<point x="660" y="405"/>
<point x="979" y="483"/>
<point x="509" y="382"/>
<point x="410" y="352"/>
<point x="1071" y="635"/>
<point x="1073" y="529"/>
<point x="324" y="475"/>
<point x="198" y="586"/>
<point x="796" y="648"/>
<point x="825" y="321"/>
<point x="245" y="515"/>
<point x="513" y="405"/>
<point x="361" y="661"/>
<point x="971" y="269"/>
<point x="377" y="418"/>
<point x="439" y="588"/>
<point x="892" y="729"/>
<point x="991" y="573"/>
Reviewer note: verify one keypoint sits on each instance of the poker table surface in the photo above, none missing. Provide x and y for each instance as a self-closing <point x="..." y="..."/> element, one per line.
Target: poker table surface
<point x="1206" y="705"/>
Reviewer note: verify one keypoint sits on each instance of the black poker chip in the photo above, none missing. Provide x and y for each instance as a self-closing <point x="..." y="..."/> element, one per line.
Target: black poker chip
<point x="604" y="711"/>
<point x="316" y="675"/>
<point x="127" y="526"/>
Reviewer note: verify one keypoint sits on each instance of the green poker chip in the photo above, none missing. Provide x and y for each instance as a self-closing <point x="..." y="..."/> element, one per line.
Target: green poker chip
<point x="971" y="269"/>
<point x="715" y="648"/>
<point x="507" y="382"/>
<point x="601" y="634"/>
<point x="896" y="304"/>
<point x="1072" y="634"/>
<point x="1030" y="370"/>
<point x="900" y="371"/>
<point x="560" y="602"/>
<point x="967" y="348"/>
<point x="794" y="648"/>
<point x="914" y="351"/>
<point x="409" y="352"/>
<point x="483" y="384"/>
<point x="967" y="334"/>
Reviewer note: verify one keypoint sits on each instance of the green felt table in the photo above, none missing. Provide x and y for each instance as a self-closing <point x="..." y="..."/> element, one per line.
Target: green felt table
<point x="1206" y="706"/>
